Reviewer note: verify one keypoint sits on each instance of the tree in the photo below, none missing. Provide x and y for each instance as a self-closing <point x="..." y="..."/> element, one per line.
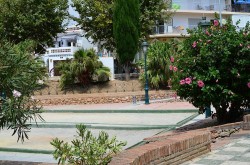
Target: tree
<point x="84" y="68"/>
<point x="19" y="75"/>
<point x="126" y="31"/>
<point x="32" y="19"/>
<point x="96" y="18"/>
<point x="87" y="149"/>
<point x="161" y="56"/>
<point x="214" y="69"/>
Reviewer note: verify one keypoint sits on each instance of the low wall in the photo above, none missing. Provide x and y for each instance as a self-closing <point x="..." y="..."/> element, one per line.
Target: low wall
<point x="174" y="149"/>
<point x="102" y="98"/>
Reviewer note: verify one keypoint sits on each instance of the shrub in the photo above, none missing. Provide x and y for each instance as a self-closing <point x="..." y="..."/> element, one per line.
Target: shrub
<point x="214" y="69"/>
<point x="19" y="75"/>
<point x="86" y="149"/>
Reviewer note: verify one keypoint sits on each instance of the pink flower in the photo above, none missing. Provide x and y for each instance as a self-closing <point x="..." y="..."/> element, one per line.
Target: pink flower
<point x="16" y="94"/>
<point x="188" y="80"/>
<point x="208" y="41"/>
<point x="241" y="45"/>
<point x="175" y="69"/>
<point x="172" y="59"/>
<point x="248" y="84"/>
<point x="194" y="44"/>
<point x="182" y="82"/>
<point x="207" y="33"/>
<point x="216" y="22"/>
<point x="200" y="83"/>
<point x="217" y="81"/>
<point x="170" y="67"/>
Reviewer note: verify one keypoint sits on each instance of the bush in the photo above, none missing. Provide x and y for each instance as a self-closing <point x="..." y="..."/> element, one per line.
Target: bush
<point x="86" y="149"/>
<point x="214" y="69"/>
<point x="20" y="72"/>
<point x="160" y="57"/>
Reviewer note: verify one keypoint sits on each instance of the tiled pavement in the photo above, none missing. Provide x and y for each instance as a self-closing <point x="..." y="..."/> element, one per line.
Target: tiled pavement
<point x="236" y="152"/>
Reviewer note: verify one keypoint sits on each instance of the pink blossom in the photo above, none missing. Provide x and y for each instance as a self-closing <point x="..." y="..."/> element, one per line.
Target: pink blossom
<point x="182" y="82"/>
<point x="208" y="41"/>
<point x="194" y="44"/>
<point x="216" y="22"/>
<point x="248" y="84"/>
<point x="16" y="94"/>
<point x="170" y="67"/>
<point x="188" y="80"/>
<point x="175" y="69"/>
<point x="172" y="59"/>
<point x="217" y="81"/>
<point x="200" y="83"/>
<point x="207" y="33"/>
<point x="241" y="45"/>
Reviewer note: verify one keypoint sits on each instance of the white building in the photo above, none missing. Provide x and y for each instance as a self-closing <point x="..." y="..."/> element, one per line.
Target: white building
<point x="189" y="13"/>
<point x="65" y="45"/>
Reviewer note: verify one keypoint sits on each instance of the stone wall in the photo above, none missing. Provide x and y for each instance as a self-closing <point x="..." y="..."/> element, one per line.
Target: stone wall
<point x="102" y="98"/>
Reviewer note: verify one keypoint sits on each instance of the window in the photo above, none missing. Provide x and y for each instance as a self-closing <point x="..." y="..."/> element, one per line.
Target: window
<point x="193" y="22"/>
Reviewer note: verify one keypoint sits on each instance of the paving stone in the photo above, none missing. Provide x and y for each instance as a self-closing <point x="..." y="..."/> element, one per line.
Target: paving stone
<point x="244" y="141"/>
<point x="241" y="159"/>
<point x="219" y="157"/>
<point x="234" y="163"/>
<point x="209" y="162"/>
<point x="236" y="149"/>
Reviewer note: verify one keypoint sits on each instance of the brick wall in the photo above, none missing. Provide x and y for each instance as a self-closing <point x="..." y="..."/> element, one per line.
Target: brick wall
<point x="173" y="149"/>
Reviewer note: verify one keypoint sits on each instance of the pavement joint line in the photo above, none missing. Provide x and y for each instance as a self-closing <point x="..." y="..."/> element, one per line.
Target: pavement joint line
<point x="122" y="111"/>
<point x="73" y="125"/>
<point x="24" y="150"/>
<point x="167" y="130"/>
<point x="106" y="124"/>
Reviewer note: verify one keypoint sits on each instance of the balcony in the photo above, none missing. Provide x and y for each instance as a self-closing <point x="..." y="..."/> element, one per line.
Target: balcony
<point x="245" y="8"/>
<point x="161" y="29"/>
<point x="206" y="5"/>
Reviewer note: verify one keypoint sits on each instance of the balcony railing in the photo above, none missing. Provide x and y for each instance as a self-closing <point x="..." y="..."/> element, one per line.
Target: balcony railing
<point x="241" y="8"/>
<point x="161" y="29"/>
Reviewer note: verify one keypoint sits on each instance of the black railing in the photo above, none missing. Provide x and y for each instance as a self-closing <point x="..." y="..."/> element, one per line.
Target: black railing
<point x="241" y="8"/>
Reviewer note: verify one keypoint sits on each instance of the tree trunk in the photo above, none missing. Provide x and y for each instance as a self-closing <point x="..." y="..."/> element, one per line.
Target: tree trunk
<point x="127" y="73"/>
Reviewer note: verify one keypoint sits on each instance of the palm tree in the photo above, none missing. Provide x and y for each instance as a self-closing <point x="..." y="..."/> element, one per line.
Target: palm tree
<point x="84" y="68"/>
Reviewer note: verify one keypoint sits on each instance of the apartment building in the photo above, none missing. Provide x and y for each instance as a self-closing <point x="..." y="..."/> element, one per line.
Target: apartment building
<point x="189" y="13"/>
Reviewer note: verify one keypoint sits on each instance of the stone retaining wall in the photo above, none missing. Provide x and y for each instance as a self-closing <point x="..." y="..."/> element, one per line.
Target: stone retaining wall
<point x="102" y="98"/>
<point x="171" y="150"/>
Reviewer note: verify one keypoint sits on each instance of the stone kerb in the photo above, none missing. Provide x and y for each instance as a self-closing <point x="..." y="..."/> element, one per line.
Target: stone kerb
<point x="246" y="122"/>
<point x="170" y="150"/>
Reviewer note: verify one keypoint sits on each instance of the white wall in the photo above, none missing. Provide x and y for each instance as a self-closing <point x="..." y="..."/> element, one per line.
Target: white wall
<point x="109" y="62"/>
<point x="243" y="20"/>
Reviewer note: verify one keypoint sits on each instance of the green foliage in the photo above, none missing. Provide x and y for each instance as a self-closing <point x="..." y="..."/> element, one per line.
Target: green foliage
<point x="83" y="69"/>
<point x="38" y="20"/>
<point x="87" y="149"/>
<point x="214" y="69"/>
<point x="126" y="29"/>
<point x="158" y="62"/>
<point x="96" y="18"/>
<point x="19" y="75"/>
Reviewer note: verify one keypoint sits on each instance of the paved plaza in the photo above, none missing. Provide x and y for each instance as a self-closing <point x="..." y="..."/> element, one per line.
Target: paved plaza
<point x="128" y="122"/>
